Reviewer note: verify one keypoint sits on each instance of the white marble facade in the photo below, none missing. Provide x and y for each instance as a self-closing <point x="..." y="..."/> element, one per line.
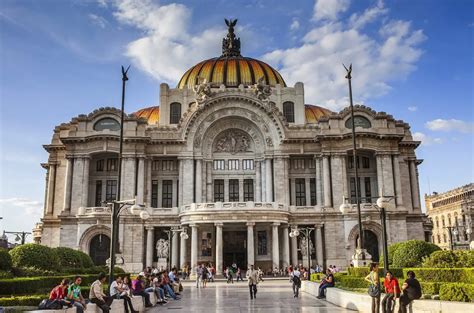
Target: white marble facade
<point x="235" y="171"/>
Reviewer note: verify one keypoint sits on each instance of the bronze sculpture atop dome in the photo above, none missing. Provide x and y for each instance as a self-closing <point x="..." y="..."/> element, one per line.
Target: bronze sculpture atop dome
<point x="231" y="44"/>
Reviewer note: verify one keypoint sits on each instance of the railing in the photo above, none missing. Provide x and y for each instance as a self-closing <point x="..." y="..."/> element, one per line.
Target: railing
<point x="96" y="210"/>
<point x="232" y="206"/>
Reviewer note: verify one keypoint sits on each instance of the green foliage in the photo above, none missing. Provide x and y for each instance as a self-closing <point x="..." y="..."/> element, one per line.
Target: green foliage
<point x="430" y="288"/>
<point x="31" y="272"/>
<point x="457" y="292"/>
<point x="391" y="252"/>
<point x="451" y="275"/>
<point x="5" y="260"/>
<point x="34" y="255"/>
<point x="364" y="271"/>
<point x="411" y="253"/>
<point x="316" y="277"/>
<point x="68" y="257"/>
<point x="5" y="274"/>
<point x="22" y="300"/>
<point x="450" y="259"/>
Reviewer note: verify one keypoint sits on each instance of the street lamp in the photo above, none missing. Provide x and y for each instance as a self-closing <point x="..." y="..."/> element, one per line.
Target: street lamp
<point x="171" y="232"/>
<point x="454" y="230"/>
<point x="306" y="232"/>
<point x="382" y="203"/>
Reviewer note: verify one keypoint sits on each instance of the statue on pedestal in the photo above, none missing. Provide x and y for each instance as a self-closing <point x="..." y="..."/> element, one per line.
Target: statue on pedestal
<point x="162" y="247"/>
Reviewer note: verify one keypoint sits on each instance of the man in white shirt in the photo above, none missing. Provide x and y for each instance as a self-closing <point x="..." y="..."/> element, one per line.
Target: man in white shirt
<point x="296" y="281"/>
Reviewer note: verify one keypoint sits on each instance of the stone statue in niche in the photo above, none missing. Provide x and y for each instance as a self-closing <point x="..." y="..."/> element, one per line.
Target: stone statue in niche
<point x="202" y="90"/>
<point x="262" y="90"/>
<point x="233" y="141"/>
<point x="162" y="247"/>
<point x="304" y="246"/>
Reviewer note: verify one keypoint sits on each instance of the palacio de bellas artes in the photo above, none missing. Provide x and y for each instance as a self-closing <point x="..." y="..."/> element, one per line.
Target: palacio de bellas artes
<point x="226" y="165"/>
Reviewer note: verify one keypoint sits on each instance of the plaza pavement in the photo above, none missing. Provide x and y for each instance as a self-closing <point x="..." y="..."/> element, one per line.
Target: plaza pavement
<point x="273" y="296"/>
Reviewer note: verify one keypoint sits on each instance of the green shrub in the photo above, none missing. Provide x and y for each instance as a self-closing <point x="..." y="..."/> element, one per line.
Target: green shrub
<point x="70" y="258"/>
<point x="5" y="260"/>
<point x="391" y="251"/>
<point x="316" y="277"/>
<point x="5" y="274"/>
<point x="411" y="253"/>
<point x="364" y="271"/>
<point x="34" y="255"/>
<point x="450" y="259"/>
<point x="22" y="300"/>
<point x="450" y="275"/>
<point x="85" y="259"/>
<point x="457" y="292"/>
<point x="429" y="288"/>
<point x="31" y="272"/>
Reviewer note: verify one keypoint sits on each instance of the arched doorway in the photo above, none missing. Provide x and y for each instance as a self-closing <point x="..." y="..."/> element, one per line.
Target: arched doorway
<point x="371" y="244"/>
<point x="99" y="249"/>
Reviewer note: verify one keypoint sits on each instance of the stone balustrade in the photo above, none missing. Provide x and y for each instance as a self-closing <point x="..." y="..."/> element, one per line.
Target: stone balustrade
<point x="222" y="206"/>
<point x="94" y="211"/>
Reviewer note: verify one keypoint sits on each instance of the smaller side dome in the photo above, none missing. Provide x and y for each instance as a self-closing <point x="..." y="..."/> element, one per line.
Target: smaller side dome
<point x="313" y="113"/>
<point x="151" y="114"/>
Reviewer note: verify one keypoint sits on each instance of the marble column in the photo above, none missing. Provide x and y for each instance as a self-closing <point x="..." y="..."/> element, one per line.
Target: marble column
<point x="250" y="244"/>
<point x="194" y="249"/>
<point x="285" y="247"/>
<point x="269" y="180"/>
<point x="294" y="251"/>
<point x="188" y="181"/>
<point x="307" y="191"/>
<point x="198" y="181"/>
<point x="280" y="180"/>
<point x="258" y="182"/>
<point x="219" y="247"/>
<point x="148" y="182"/>
<point x="77" y="181"/>
<point x="140" y="196"/>
<point x="380" y="183"/>
<point x="209" y="189"/>
<point x="149" y="245"/>
<point x="85" y="183"/>
<point x="275" y="246"/>
<point x="51" y="188"/>
<point x="319" y="189"/>
<point x="414" y="185"/>
<point x="264" y="180"/>
<point x="182" y="252"/>
<point x="398" y="182"/>
<point x="174" y="250"/>
<point x="327" y="182"/>
<point x="180" y="183"/>
<point x="68" y="185"/>
<point x="319" y="245"/>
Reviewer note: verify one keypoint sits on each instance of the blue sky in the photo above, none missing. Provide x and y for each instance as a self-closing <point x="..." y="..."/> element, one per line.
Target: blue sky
<point x="58" y="59"/>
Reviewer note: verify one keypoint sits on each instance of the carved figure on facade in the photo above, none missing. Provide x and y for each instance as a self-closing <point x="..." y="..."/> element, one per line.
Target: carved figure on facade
<point x="304" y="246"/>
<point x="262" y="91"/>
<point x="162" y="247"/>
<point x="202" y="90"/>
<point x="269" y="141"/>
<point x="233" y="141"/>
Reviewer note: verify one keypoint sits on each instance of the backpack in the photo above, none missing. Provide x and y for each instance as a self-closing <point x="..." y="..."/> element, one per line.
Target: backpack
<point x="296" y="280"/>
<point x="47" y="304"/>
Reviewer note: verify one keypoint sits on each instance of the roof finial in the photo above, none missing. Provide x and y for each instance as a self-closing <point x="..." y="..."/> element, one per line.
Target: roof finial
<point x="231" y="44"/>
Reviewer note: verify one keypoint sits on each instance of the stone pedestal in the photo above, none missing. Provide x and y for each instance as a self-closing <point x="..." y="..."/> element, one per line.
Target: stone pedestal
<point x="162" y="263"/>
<point x="358" y="259"/>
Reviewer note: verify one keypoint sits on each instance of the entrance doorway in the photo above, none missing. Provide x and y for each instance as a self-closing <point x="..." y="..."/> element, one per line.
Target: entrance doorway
<point x="235" y="248"/>
<point x="99" y="249"/>
<point x="371" y="244"/>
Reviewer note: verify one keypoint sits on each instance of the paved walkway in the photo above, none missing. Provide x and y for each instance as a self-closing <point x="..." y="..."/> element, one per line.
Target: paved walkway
<point x="272" y="297"/>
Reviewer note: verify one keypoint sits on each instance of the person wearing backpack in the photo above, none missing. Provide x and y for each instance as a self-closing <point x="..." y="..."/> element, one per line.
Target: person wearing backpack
<point x="296" y="282"/>
<point x="411" y="291"/>
<point x="374" y="288"/>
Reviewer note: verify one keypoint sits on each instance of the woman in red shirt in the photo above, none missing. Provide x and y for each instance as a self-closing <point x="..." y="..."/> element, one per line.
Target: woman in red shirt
<point x="58" y="294"/>
<point x="392" y="291"/>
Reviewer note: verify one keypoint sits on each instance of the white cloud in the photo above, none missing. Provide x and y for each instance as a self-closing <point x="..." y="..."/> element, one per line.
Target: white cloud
<point x="295" y="25"/>
<point x="412" y="108"/>
<point x="98" y="20"/>
<point x="426" y="140"/>
<point x="450" y="125"/>
<point x="20" y="214"/>
<point x="102" y="3"/>
<point x="378" y="59"/>
<point x="329" y="9"/>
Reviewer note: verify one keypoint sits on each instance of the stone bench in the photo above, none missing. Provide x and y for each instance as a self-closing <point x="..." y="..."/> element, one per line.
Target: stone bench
<point x="69" y="310"/>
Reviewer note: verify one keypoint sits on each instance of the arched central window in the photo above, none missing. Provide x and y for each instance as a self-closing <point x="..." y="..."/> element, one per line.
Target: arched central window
<point x="289" y="111"/>
<point x="175" y="112"/>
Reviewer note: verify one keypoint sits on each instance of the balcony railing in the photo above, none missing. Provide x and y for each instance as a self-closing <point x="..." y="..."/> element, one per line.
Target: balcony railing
<point x="232" y="206"/>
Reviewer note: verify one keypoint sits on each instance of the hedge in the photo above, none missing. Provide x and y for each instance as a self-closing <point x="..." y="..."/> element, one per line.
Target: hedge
<point x="364" y="271"/>
<point x="411" y="253"/>
<point x="450" y="259"/>
<point x="34" y="255"/>
<point x="428" y="288"/>
<point x="316" y="277"/>
<point x="457" y="292"/>
<point x="22" y="301"/>
<point x="450" y="275"/>
<point x="68" y="257"/>
<point x="5" y="260"/>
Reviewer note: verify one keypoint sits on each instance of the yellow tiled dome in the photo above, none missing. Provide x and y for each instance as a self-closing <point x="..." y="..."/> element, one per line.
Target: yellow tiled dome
<point x="151" y="114"/>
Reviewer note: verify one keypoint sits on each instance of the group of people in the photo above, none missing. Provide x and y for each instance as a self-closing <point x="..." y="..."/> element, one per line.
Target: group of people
<point x="165" y="285"/>
<point x="411" y="290"/>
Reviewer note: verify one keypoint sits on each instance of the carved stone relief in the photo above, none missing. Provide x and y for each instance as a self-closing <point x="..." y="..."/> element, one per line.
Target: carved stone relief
<point x="232" y="141"/>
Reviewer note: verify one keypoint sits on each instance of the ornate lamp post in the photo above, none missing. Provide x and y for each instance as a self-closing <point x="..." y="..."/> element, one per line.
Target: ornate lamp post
<point x="454" y="231"/>
<point x="306" y="233"/>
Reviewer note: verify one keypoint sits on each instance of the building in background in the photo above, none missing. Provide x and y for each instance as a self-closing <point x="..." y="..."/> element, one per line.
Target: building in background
<point x="234" y="157"/>
<point x="452" y="214"/>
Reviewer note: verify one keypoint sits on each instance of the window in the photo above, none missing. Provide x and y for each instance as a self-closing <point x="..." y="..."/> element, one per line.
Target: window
<point x="351" y="162"/>
<point x="248" y="190"/>
<point x="98" y="193"/>
<point x="233" y="164"/>
<point x="219" y="164"/>
<point x="111" y="190"/>
<point x="155" y="165"/>
<point x="233" y="190"/>
<point x="112" y="165"/>
<point x="368" y="192"/>
<point x="449" y="219"/>
<point x="218" y="190"/>
<point x="353" y="192"/>
<point x="444" y="238"/>
<point x="167" y="194"/>
<point x="360" y="121"/>
<point x="365" y="162"/>
<point x="247" y="164"/>
<point x="437" y="222"/>
<point x="311" y="163"/>
<point x="312" y="190"/>
<point x="168" y="165"/>
<point x="175" y="112"/>
<point x="298" y="164"/>
<point x="442" y="221"/>
<point x="289" y="111"/>
<point x="300" y="191"/>
<point x="154" y="194"/>
<point x="99" y="166"/>
<point x="262" y="242"/>
<point x="206" y="244"/>
<point x="439" y="239"/>
<point x="107" y="123"/>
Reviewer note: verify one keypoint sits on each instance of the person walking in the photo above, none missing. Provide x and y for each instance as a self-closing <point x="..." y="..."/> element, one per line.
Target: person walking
<point x="204" y="276"/>
<point x="411" y="291"/>
<point x="252" y="277"/>
<point x="392" y="292"/>
<point x="374" y="288"/>
<point x="239" y="275"/>
<point x="198" y="275"/>
<point x="230" y="275"/>
<point x="296" y="282"/>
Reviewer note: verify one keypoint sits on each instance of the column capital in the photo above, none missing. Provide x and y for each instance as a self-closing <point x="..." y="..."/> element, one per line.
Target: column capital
<point x="250" y="223"/>
<point x="193" y="225"/>
<point x="219" y="224"/>
<point x="276" y="224"/>
<point x="149" y="227"/>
